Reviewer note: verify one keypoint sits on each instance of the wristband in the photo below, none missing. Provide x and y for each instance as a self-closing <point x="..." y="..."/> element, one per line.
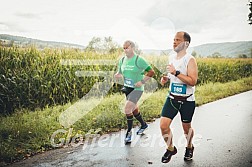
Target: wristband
<point x="143" y="81"/>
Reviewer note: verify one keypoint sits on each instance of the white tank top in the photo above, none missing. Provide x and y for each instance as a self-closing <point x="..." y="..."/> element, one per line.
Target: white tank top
<point x="177" y="87"/>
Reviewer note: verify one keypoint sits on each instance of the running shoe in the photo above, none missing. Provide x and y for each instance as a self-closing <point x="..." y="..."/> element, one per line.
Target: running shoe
<point x="168" y="154"/>
<point x="128" y="137"/>
<point x="188" y="154"/>
<point x="142" y="129"/>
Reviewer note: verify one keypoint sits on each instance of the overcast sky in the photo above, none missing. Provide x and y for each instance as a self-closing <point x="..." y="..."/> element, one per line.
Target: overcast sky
<point x="150" y="23"/>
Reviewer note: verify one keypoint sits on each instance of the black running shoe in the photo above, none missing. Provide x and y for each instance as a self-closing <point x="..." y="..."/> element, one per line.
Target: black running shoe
<point x="168" y="154"/>
<point x="188" y="154"/>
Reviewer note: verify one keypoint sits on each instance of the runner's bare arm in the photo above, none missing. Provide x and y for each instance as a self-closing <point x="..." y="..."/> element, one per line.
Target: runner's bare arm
<point x="192" y="73"/>
<point x="147" y="76"/>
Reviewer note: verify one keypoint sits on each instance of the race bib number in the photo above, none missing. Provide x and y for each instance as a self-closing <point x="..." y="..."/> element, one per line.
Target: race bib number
<point x="128" y="82"/>
<point x="178" y="88"/>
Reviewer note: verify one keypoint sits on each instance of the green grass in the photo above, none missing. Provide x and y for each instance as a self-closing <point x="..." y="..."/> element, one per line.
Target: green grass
<point x="214" y="91"/>
<point x="26" y="133"/>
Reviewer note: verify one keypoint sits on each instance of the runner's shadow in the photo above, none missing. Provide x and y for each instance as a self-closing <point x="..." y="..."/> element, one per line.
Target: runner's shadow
<point x="189" y="163"/>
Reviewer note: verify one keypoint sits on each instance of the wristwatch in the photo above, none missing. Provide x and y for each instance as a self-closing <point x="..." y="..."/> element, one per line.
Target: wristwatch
<point x="143" y="81"/>
<point x="177" y="73"/>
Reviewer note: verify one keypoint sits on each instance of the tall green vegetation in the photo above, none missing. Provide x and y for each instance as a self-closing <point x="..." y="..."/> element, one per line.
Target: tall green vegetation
<point x="223" y="70"/>
<point x="32" y="78"/>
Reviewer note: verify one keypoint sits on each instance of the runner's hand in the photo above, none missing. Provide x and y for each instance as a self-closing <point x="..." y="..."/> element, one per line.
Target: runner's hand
<point x="138" y="84"/>
<point x="164" y="79"/>
<point x="171" y="69"/>
<point x="118" y="76"/>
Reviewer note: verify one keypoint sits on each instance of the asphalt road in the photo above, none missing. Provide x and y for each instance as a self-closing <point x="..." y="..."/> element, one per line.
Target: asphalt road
<point x="223" y="137"/>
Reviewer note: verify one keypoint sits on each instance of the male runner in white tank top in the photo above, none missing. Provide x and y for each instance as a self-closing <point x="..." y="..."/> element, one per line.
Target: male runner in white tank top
<point x="183" y="74"/>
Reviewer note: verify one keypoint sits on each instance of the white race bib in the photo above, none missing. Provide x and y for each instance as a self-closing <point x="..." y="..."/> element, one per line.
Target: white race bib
<point x="129" y="82"/>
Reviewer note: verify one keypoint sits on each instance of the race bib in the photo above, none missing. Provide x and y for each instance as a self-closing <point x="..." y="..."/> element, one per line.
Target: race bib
<point x="178" y="88"/>
<point x="128" y="82"/>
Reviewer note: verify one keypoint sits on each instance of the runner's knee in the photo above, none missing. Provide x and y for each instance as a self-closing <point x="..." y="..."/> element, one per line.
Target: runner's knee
<point x="164" y="128"/>
<point x="188" y="130"/>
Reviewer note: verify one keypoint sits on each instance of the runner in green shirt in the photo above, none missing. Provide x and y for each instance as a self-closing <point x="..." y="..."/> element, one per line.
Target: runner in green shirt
<point x="135" y="71"/>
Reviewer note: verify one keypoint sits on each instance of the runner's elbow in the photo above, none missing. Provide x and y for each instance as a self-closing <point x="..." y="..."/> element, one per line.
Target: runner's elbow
<point x="193" y="83"/>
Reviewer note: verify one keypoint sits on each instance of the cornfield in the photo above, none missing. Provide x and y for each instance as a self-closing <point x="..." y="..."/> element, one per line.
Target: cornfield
<point x="32" y="78"/>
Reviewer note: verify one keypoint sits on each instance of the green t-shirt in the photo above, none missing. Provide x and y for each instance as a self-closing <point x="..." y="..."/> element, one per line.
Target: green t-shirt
<point x="131" y="72"/>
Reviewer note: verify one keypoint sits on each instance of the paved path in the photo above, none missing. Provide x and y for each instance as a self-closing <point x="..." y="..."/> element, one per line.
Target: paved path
<point x="223" y="137"/>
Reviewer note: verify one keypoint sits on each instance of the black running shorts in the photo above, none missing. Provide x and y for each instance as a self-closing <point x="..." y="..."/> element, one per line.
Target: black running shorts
<point x="132" y="95"/>
<point x="185" y="108"/>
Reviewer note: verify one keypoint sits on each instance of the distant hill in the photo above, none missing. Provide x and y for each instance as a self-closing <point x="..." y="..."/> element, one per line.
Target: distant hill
<point x="226" y="49"/>
<point x="23" y="41"/>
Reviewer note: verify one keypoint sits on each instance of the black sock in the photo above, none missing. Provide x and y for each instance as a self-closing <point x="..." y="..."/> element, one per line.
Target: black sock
<point x="138" y="116"/>
<point x="130" y="122"/>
